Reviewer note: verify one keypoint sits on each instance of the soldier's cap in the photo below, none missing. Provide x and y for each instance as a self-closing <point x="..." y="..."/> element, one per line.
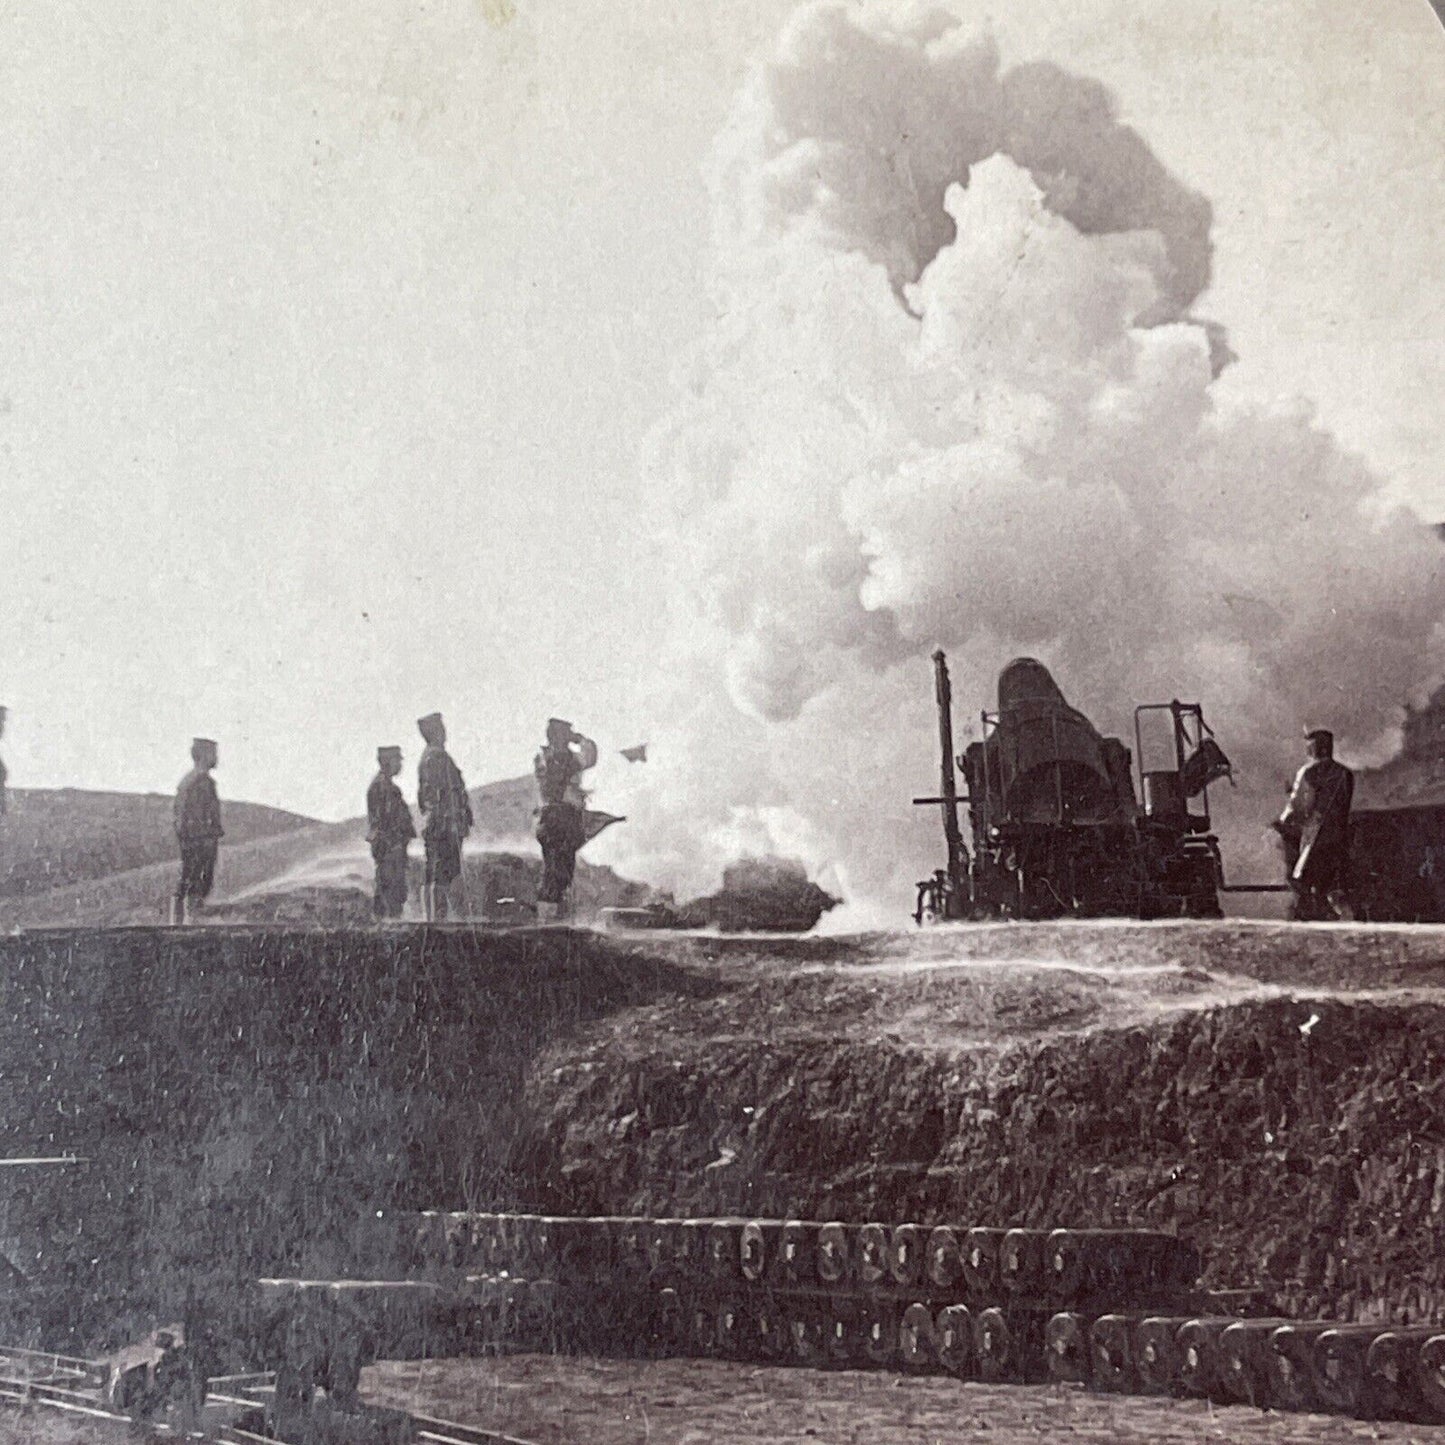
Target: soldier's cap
<point x="1319" y="735"/>
<point x="389" y="751"/>
<point x="203" y="742"/>
<point x="430" y="720"/>
<point x="557" y="722"/>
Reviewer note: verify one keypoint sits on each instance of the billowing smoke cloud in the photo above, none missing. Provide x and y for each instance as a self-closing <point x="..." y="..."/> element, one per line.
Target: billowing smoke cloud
<point x="955" y="397"/>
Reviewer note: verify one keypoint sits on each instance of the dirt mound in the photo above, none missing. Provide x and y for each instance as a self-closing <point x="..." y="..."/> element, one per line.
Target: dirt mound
<point x="52" y="837"/>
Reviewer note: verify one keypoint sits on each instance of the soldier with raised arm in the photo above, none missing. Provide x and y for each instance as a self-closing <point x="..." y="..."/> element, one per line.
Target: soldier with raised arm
<point x="562" y="810"/>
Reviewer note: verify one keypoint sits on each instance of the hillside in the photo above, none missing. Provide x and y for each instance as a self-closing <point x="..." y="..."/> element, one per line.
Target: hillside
<point x="273" y="866"/>
<point x="52" y="837"/>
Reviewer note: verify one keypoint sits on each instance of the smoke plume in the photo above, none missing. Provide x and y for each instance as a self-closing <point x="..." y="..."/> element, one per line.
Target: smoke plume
<point x="955" y="396"/>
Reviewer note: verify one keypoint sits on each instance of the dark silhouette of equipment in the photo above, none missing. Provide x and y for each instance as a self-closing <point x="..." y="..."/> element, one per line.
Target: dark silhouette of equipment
<point x="1057" y="827"/>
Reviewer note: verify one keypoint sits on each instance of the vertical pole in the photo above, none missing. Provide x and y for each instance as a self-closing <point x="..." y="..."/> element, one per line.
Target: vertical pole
<point x="949" y="790"/>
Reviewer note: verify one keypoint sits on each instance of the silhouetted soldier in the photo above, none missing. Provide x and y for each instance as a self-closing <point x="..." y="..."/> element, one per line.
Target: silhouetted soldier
<point x="4" y="799"/>
<point x="389" y="829"/>
<point x="446" y="811"/>
<point x="1316" y="828"/>
<point x="562" y="816"/>
<point x="198" y="828"/>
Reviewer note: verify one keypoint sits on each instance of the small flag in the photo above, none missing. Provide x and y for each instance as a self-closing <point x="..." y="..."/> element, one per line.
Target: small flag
<point x="637" y="754"/>
<point x="594" y="823"/>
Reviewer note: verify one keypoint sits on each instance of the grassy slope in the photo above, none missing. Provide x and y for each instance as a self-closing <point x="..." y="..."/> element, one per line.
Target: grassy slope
<point x="52" y="837"/>
<point x="134" y="834"/>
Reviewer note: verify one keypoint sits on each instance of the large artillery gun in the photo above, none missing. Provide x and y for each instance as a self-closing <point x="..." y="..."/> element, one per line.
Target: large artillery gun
<point x="1056" y="824"/>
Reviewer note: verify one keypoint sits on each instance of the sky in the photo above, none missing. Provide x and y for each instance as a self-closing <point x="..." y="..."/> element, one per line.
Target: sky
<point x="331" y="337"/>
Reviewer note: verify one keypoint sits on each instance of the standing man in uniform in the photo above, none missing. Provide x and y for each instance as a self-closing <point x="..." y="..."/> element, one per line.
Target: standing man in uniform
<point x="389" y="829"/>
<point x="561" y="817"/>
<point x="446" y="811"/>
<point x="198" y="829"/>
<point x="1316" y="822"/>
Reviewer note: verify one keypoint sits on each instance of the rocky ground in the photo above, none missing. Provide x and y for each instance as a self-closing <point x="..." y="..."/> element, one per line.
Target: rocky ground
<point x="705" y="1402"/>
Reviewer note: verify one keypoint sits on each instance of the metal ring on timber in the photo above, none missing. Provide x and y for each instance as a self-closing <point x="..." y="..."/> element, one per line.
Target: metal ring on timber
<point x="663" y="1243"/>
<point x="733" y="1329"/>
<point x="1288" y="1365"/>
<point x="1430" y="1377"/>
<point x="428" y="1238"/>
<point x="807" y="1332"/>
<point x="724" y="1248"/>
<point x="993" y="1345"/>
<point x="953" y="1339"/>
<point x="832" y="1253"/>
<point x="1156" y="1353"/>
<point x="797" y="1261"/>
<point x="1198" y="1344"/>
<point x="1243" y="1375"/>
<point x="907" y="1254"/>
<point x="880" y="1333"/>
<point x="630" y="1258"/>
<point x="561" y="1262"/>
<point x="770" y="1335"/>
<point x="843" y="1326"/>
<point x="507" y="1245"/>
<point x="542" y="1312"/>
<point x="1111" y="1353"/>
<point x="491" y="1242"/>
<point x="702" y="1330"/>
<point x="668" y="1322"/>
<point x="980" y="1261"/>
<point x="595" y="1249"/>
<point x="1338" y="1365"/>
<point x="1021" y="1261"/>
<point x="1066" y="1347"/>
<point x="1392" y="1367"/>
<point x="944" y="1263"/>
<point x="1065" y="1265"/>
<point x="529" y="1231"/>
<point x="757" y="1247"/>
<point x="916" y="1347"/>
<point x="870" y="1253"/>
<point x="693" y="1257"/>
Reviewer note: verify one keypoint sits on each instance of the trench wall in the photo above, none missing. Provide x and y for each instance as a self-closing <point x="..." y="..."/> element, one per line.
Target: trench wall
<point x="250" y="1099"/>
<point x="1300" y="1143"/>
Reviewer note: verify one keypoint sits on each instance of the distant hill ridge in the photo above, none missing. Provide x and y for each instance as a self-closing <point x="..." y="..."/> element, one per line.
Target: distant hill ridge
<point x="72" y="856"/>
<point x="52" y="837"/>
